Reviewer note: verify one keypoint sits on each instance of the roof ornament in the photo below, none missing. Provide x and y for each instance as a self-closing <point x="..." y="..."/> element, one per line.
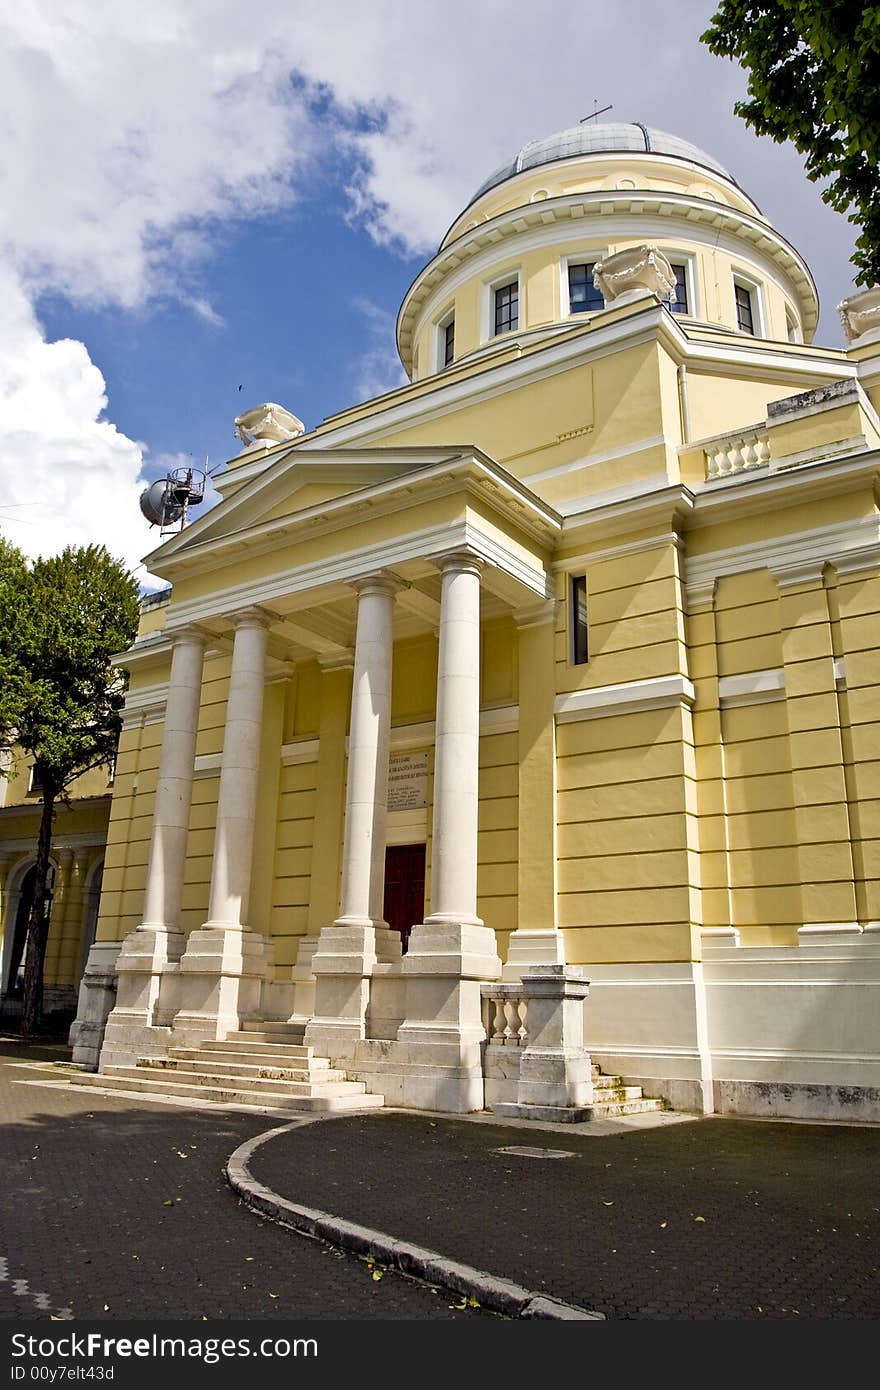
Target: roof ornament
<point x="860" y="316"/>
<point x="632" y="273"/>
<point x="265" y="425"/>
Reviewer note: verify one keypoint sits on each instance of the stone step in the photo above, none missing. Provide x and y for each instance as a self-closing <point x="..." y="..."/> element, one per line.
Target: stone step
<point x="243" y="1071"/>
<point x="268" y="1032"/>
<point x="609" y="1088"/>
<point x="214" y="1052"/>
<point x="253" y="1044"/>
<point x="134" y="1079"/>
<point x="255" y="1084"/>
<point x="609" y="1109"/>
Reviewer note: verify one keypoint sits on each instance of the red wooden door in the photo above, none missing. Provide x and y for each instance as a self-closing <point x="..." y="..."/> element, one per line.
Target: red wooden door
<point x="404" y="888"/>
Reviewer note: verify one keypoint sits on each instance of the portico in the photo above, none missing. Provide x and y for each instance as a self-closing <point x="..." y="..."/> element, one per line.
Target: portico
<point x="411" y="1022"/>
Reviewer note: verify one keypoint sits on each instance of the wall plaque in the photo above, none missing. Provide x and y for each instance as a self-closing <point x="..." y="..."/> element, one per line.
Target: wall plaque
<point x="407" y="781"/>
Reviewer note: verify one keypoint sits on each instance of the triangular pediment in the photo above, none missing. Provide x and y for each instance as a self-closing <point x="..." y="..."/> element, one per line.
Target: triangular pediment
<point x="298" y="482"/>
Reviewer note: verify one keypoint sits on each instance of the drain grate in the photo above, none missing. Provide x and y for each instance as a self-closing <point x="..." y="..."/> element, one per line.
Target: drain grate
<point x="523" y="1151"/>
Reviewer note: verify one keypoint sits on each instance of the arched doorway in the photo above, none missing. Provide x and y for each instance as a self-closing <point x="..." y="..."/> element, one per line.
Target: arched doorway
<point x="90" y="913"/>
<point x="20" y="901"/>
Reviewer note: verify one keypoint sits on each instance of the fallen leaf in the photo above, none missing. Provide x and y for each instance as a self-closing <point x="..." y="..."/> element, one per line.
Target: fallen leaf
<point x="273" y="1295"/>
<point x="662" y="1225"/>
<point x="700" y="1218"/>
<point x="168" y="1202"/>
<point x="248" y="1258"/>
<point x="106" y="1307"/>
<point x="377" y="1275"/>
<point x="472" y="1303"/>
<point x="608" y="1204"/>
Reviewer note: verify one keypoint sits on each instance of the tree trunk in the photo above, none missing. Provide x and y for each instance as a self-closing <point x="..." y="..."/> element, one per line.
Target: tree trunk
<point x="38" y="924"/>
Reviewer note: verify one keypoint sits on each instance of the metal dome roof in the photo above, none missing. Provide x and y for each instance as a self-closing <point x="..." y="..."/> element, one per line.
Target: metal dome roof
<point x="588" y="138"/>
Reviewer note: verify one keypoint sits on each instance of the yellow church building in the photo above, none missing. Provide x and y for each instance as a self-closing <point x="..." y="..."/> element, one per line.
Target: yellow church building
<point x="526" y="717"/>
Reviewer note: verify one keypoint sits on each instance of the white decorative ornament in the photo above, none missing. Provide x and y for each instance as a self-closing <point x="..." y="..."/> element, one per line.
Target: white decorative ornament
<point x="860" y="316"/>
<point x="632" y="273"/>
<point x="267" y="424"/>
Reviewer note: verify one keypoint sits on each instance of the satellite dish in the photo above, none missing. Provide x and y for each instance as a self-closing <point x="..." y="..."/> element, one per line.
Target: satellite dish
<point x="165" y="502"/>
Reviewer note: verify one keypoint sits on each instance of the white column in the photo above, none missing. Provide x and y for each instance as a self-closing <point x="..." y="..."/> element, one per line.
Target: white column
<point x="363" y="859"/>
<point x="171" y="811"/>
<point x="225" y="965"/>
<point x="239" y="774"/>
<point x="457" y="745"/>
<point x="349" y="949"/>
<point x="148" y="959"/>
<point x="451" y="952"/>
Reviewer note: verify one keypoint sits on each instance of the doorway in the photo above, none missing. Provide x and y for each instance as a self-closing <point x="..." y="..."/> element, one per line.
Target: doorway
<point x="404" y="888"/>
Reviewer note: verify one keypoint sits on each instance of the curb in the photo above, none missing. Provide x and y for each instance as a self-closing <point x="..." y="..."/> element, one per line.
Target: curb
<point x="499" y="1295"/>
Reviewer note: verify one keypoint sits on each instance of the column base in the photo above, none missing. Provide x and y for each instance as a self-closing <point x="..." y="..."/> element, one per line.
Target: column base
<point x="222" y="973"/>
<point x="97" y="997"/>
<point x="444" y="967"/>
<point x="347" y="954"/>
<point x="146" y="996"/>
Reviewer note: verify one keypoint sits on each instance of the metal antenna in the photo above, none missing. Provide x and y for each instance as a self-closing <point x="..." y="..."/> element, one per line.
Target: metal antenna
<point x="596" y="111"/>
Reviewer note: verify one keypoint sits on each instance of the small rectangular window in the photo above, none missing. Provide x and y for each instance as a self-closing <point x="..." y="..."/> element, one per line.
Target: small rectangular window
<point x="580" y="648"/>
<point x="791" y="327"/>
<point x="507" y="307"/>
<point x="35" y="781"/>
<point x="678" y="300"/>
<point x="583" y="296"/>
<point x="745" y="317"/>
<point x="448" y="332"/>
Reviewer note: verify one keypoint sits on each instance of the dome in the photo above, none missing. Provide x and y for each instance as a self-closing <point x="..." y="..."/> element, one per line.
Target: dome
<point x="589" y="138"/>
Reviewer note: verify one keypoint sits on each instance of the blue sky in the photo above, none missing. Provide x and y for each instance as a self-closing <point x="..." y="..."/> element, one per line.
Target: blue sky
<point x="198" y="195"/>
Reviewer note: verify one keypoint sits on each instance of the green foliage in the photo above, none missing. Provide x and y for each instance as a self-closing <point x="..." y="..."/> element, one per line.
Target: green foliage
<point x="61" y="619"/>
<point x="814" y="79"/>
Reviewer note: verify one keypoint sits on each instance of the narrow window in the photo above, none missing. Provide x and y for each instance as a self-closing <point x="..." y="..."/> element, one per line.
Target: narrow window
<point x="791" y="327"/>
<point x="36" y="783"/>
<point x="507" y="307"/>
<point x="745" y="317"/>
<point x="580" y="649"/>
<point x="448" y="332"/>
<point x="583" y="296"/>
<point x="678" y="300"/>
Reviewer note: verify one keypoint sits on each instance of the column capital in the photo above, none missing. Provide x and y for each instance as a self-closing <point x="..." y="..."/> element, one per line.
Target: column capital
<point x="190" y="633"/>
<point x="459" y="561"/>
<point x="381" y="583"/>
<point x="250" y="617"/>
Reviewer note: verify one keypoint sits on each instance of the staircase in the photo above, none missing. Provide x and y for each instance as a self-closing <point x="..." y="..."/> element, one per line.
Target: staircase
<point x="611" y="1098"/>
<point x="267" y="1065"/>
<point x="264" y="1065"/>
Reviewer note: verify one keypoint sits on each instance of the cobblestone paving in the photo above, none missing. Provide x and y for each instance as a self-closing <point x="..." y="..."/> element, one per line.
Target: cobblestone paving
<point x="118" y="1209"/>
<point x="715" y="1219"/>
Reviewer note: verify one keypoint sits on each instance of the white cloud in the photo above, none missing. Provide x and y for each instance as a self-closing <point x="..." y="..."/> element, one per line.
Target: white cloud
<point x="378" y="369"/>
<point x="67" y="477"/>
<point x="132" y="130"/>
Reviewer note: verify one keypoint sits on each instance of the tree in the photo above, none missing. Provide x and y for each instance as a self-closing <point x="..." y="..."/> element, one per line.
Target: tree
<point x="61" y="620"/>
<point x="814" y="79"/>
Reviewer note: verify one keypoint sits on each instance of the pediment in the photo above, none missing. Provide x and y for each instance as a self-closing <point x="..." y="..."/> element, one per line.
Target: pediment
<point x="300" y="481"/>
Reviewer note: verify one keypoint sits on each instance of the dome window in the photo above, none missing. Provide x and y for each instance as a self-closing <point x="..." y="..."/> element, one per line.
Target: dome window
<point x="678" y="302"/>
<point x="583" y="295"/>
<point x="448" y="342"/>
<point x="507" y="307"/>
<point x="744" y="296"/>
